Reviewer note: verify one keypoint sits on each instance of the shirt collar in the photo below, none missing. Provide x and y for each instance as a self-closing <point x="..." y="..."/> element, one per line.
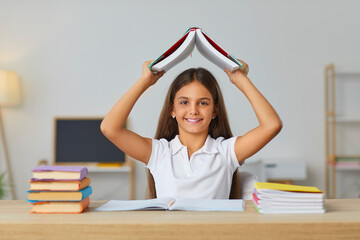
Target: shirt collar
<point x="209" y="146"/>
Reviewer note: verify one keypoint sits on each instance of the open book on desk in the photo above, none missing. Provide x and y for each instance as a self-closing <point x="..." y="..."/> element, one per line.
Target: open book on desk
<point x="184" y="204"/>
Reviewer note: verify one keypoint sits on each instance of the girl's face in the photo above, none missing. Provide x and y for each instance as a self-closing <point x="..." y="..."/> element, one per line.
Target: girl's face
<point x="193" y="108"/>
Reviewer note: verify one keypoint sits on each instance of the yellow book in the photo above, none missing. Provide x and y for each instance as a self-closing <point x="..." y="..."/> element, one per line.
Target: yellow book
<point x="286" y="187"/>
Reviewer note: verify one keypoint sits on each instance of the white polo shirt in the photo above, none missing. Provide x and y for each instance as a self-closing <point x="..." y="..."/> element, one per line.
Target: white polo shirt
<point x="207" y="174"/>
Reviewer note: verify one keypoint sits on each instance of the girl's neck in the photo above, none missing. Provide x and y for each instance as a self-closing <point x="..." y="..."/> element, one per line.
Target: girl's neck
<point x="193" y="142"/>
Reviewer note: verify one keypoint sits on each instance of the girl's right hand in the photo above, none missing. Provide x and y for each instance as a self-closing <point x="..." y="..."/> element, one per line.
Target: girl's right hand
<point x="148" y="76"/>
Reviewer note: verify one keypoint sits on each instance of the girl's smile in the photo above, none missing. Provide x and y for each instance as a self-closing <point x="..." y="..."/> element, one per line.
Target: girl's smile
<point x="193" y="120"/>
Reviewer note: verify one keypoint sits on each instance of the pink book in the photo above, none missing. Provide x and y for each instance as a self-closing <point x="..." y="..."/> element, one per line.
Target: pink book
<point x="56" y="172"/>
<point x="347" y="164"/>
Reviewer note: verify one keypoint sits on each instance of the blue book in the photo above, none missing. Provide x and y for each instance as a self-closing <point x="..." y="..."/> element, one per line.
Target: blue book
<point x="41" y="196"/>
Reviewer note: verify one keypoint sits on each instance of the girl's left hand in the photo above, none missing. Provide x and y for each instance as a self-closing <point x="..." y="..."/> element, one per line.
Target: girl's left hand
<point x="238" y="74"/>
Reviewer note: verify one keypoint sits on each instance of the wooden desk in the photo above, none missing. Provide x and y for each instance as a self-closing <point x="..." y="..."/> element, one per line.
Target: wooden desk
<point x="342" y="221"/>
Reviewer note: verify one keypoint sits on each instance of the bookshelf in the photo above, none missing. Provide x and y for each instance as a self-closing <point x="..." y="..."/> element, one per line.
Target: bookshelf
<point x="342" y="129"/>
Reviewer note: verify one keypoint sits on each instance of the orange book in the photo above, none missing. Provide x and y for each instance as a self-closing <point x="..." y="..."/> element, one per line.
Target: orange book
<point x="60" y="207"/>
<point x="49" y="185"/>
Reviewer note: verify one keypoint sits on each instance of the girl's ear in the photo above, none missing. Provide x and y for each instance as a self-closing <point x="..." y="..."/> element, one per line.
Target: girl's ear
<point x="214" y="115"/>
<point x="172" y="113"/>
<point x="215" y="112"/>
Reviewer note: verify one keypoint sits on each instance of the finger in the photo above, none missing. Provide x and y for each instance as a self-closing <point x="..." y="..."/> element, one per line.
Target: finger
<point x="159" y="74"/>
<point x="147" y="63"/>
<point x="245" y="68"/>
<point x="244" y="64"/>
<point x="228" y="72"/>
<point x="242" y="61"/>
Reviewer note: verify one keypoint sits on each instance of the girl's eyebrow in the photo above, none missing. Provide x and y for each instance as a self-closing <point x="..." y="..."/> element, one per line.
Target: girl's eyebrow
<point x="181" y="97"/>
<point x="203" y="98"/>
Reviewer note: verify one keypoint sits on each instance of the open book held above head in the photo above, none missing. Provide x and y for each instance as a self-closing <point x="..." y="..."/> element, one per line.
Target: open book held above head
<point x="182" y="49"/>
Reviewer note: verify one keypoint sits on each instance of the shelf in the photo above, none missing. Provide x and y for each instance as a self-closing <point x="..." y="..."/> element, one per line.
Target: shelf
<point x="92" y="169"/>
<point x="347" y="119"/>
<point x="337" y="124"/>
<point x="348" y="168"/>
<point x="351" y="119"/>
<point x="348" y="156"/>
<point x="350" y="73"/>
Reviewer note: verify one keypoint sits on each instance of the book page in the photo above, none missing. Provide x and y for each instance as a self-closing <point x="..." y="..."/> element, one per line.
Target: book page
<point x="187" y="204"/>
<point x="288" y="195"/>
<point x="291" y="211"/>
<point x="127" y="205"/>
<point x="213" y="55"/>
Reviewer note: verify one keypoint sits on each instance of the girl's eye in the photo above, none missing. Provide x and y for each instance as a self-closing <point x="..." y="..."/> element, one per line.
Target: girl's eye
<point x="204" y="103"/>
<point x="184" y="102"/>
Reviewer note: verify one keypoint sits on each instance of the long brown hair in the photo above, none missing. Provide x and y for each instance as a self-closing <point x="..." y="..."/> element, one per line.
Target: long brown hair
<point x="168" y="127"/>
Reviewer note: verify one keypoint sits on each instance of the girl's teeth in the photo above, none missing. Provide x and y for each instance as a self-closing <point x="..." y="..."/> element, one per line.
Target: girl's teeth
<point x="193" y="120"/>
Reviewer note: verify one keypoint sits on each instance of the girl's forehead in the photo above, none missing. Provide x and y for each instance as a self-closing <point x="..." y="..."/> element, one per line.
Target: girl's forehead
<point x="193" y="90"/>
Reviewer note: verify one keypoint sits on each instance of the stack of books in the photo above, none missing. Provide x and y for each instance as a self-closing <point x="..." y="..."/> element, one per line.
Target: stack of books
<point x="59" y="189"/>
<point x="347" y="162"/>
<point x="276" y="198"/>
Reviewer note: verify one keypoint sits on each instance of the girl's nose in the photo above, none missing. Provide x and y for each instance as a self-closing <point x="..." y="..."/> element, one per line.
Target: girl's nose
<point x="194" y="110"/>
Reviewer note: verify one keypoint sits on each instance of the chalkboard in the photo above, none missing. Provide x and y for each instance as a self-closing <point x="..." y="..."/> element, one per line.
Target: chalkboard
<point x="81" y="141"/>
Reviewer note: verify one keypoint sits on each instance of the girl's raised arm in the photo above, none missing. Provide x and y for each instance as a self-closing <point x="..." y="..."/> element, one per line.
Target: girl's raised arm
<point x="269" y="121"/>
<point x="112" y="126"/>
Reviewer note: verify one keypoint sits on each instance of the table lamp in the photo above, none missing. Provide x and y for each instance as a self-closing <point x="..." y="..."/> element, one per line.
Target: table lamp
<point x="10" y="95"/>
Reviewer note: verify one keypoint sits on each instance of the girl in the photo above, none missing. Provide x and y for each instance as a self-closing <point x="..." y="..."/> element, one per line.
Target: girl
<point x="193" y="154"/>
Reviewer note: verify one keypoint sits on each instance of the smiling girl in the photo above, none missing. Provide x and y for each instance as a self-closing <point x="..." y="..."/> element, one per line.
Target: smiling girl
<point x="194" y="154"/>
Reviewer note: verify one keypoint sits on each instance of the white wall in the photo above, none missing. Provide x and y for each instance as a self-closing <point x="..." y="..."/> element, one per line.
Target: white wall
<point x="76" y="58"/>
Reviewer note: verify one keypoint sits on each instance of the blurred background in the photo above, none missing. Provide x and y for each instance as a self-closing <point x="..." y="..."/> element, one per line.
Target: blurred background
<point x="77" y="58"/>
